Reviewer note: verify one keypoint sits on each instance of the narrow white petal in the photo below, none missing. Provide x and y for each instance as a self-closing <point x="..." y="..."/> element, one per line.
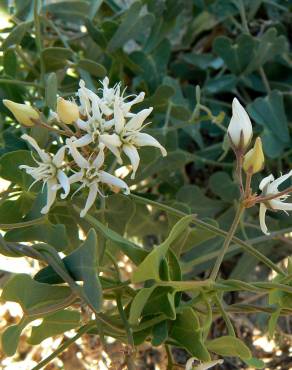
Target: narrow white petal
<point x="78" y="158"/>
<point x="262" y="216"/>
<point x="51" y="195"/>
<point x="76" y="177"/>
<point x="132" y="153"/>
<point x="108" y="124"/>
<point x="142" y="139"/>
<point x="109" y="179"/>
<point x="138" y="99"/>
<point x="59" y="157"/>
<point x="112" y="140"/>
<point x="93" y="189"/>
<point x="99" y="160"/>
<point x="116" y="152"/>
<point x="43" y="155"/>
<point x="136" y="122"/>
<point x="82" y="124"/>
<point x="82" y="141"/>
<point x="278" y="204"/>
<point x="273" y="187"/>
<point x="64" y="182"/>
<point x="118" y="117"/>
<point x="265" y="181"/>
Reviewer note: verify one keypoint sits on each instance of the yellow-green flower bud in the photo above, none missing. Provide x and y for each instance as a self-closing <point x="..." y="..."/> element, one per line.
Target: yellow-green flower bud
<point x="254" y="159"/>
<point x="25" y="114"/>
<point x="67" y="111"/>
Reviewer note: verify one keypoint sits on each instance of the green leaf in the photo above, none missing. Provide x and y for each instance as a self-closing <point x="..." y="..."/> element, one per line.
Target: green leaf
<point x="10" y="337"/>
<point x="95" y="69"/>
<point x="255" y="363"/>
<point x="186" y="332"/>
<point x="236" y="56"/>
<point x="82" y="264"/>
<point x="161" y="301"/>
<point x="269" y="112"/>
<point x="248" y="53"/>
<point x="10" y="62"/>
<point x="138" y="304"/>
<point x="130" y="26"/>
<point x="194" y="197"/>
<point x="16" y="35"/>
<point x="51" y="91"/>
<point x="56" y="58"/>
<point x="97" y="34"/>
<point x="159" y="333"/>
<point x="149" y="268"/>
<point x="135" y="253"/>
<point x="55" y="235"/>
<point x="222" y="185"/>
<point x="32" y="295"/>
<point x="54" y="324"/>
<point x="13" y="211"/>
<point x="9" y="167"/>
<point x="229" y="346"/>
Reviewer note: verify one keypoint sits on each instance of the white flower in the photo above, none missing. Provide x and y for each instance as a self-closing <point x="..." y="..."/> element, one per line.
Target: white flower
<point x="90" y="175"/>
<point x="108" y="120"/>
<point x="240" y="128"/>
<point x="49" y="171"/>
<point x="130" y="136"/>
<point x="204" y="366"/>
<point x="269" y="186"/>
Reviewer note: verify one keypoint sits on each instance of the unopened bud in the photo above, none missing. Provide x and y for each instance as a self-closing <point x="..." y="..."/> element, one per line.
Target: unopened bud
<point x="67" y="111"/>
<point x="254" y="159"/>
<point x="25" y="114"/>
<point x="240" y="128"/>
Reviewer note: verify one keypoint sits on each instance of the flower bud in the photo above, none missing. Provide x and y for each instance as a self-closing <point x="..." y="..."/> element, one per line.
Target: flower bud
<point x="240" y="128"/>
<point x="254" y="159"/>
<point x="67" y="111"/>
<point x="25" y="114"/>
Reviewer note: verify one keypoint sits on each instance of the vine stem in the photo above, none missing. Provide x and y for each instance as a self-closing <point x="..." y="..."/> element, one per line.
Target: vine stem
<point x="227" y="242"/>
<point x="84" y="329"/>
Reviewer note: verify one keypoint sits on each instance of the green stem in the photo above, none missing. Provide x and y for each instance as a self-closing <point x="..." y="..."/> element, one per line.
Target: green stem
<point x="19" y="225"/>
<point x="38" y="39"/>
<point x="225" y="317"/>
<point x="226" y="243"/>
<point x="204" y="225"/>
<point x="84" y="329"/>
<point x="170" y="361"/>
<point x="265" y="80"/>
<point x="18" y="82"/>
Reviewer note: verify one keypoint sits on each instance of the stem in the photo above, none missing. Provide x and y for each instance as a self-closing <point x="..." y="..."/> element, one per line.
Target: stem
<point x="226" y="243"/>
<point x="64" y="346"/>
<point x="130" y="356"/>
<point x="204" y="225"/>
<point x="19" y="225"/>
<point x="170" y="361"/>
<point x="225" y="317"/>
<point x="102" y="238"/>
<point x="38" y="39"/>
<point x="18" y="82"/>
<point x="265" y="80"/>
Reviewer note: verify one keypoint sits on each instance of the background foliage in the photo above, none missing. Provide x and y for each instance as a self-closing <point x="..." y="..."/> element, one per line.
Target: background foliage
<point x="166" y="48"/>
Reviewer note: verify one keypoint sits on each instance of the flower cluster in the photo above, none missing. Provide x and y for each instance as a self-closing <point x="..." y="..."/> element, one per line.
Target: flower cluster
<point x="102" y="123"/>
<point x="240" y="134"/>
